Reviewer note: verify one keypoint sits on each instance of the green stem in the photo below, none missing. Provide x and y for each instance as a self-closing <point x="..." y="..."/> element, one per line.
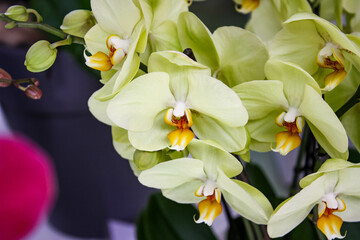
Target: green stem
<point x="143" y="67"/>
<point x="19" y="81"/>
<point x="233" y="228"/>
<point x="349" y="104"/>
<point x="258" y="232"/>
<point x="249" y="229"/>
<point x="297" y="170"/>
<point x="44" y="27"/>
<point x="39" y="19"/>
<point x="5" y="80"/>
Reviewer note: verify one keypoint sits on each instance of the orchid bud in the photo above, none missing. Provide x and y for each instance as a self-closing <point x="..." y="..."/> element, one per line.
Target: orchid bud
<point x="40" y="56"/>
<point x="145" y="160"/>
<point x="78" y="22"/>
<point x="4" y="76"/>
<point x="33" y="92"/>
<point x="17" y="13"/>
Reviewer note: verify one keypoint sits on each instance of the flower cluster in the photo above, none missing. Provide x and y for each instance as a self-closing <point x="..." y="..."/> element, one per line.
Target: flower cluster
<point x="183" y="120"/>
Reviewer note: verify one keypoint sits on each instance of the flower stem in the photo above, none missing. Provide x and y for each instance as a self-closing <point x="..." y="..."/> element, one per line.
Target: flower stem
<point x="297" y="169"/>
<point x="143" y="67"/>
<point x="21" y="80"/>
<point x="42" y="26"/>
<point x="349" y="104"/>
<point x="233" y="228"/>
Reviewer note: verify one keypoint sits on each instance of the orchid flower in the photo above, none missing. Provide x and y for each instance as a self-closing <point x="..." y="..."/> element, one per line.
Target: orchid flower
<point x="317" y="46"/>
<point x="279" y="107"/>
<point x="334" y="188"/>
<point x="158" y="109"/>
<point x="204" y="179"/>
<point x="136" y="27"/>
<point x="234" y="55"/>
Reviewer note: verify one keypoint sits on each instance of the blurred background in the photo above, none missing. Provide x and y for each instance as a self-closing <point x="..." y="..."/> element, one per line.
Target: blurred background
<point x="98" y="195"/>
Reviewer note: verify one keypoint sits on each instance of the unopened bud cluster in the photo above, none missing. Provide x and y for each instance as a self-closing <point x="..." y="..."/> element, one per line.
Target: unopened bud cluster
<point x="31" y="90"/>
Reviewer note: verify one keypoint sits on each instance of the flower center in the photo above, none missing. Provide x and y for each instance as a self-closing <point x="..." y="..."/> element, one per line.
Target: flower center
<point x="179" y="117"/>
<point x="210" y="207"/>
<point x="329" y="223"/>
<point x="118" y="49"/>
<point x="290" y="139"/>
<point x="331" y="57"/>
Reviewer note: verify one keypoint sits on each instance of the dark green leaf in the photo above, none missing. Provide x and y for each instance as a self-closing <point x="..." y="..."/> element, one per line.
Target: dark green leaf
<point x="165" y="219"/>
<point x="354" y="156"/>
<point x="258" y="179"/>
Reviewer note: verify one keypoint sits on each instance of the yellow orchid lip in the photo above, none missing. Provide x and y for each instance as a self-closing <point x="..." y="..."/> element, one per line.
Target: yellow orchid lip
<point x="182" y="120"/>
<point x="331" y="57"/>
<point x="328" y="223"/>
<point x="180" y="138"/>
<point x="209" y="208"/>
<point x="117" y="51"/>
<point x="290" y="139"/>
<point x="99" y="61"/>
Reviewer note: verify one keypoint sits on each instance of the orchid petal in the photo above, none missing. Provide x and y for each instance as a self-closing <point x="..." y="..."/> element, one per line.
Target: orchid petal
<point x="242" y="55"/>
<point x="173" y="173"/>
<point x="195" y="35"/>
<point x="264" y="129"/>
<point x="98" y="109"/>
<point x="326" y="30"/>
<point x="352" y="212"/>
<point x="245" y="199"/>
<point x="167" y="10"/>
<point x="119" y="17"/>
<point x="263" y="22"/>
<point x="129" y="67"/>
<point x="214" y="158"/>
<point x="331" y="165"/>
<point x="95" y="40"/>
<point x="121" y="143"/>
<point x="233" y="139"/>
<point x="292" y="212"/>
<point x="153" y="139"/>
<point x="348" y="181"/>
<point x="135" y="107"/>
<point x="285" y="45"/>
<point x="211" y="97"/>
<point x="165" y="37"/>
<point x="184" y="193"/>
<point x="260" y="97"/>
<point x="294" y="79"/>
<point x="324" y="124"/>
<point x="178" y="66"/>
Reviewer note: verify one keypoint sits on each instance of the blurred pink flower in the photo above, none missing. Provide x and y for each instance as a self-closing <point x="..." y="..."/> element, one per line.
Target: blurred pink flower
<point x="27" y="186"/>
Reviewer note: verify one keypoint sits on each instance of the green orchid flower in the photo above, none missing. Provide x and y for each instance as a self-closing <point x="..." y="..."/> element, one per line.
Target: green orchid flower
<point x="317" y="46"/>
<point x="234" y="55"/>
<point x="334" y="188"/>
<point x="116" y="47"/>
<point x="186" y="97"/>
<point x="279" y="107"/>
<point x="204" y="178"/>
<point x="114" y="43"/>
